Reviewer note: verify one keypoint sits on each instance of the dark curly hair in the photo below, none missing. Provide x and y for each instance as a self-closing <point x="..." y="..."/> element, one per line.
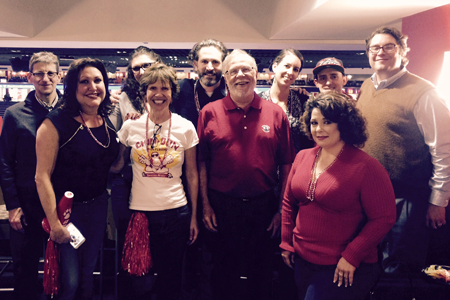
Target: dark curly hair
<point x="69" y="100"/>
<point x="339" y="109"/>
<point x="163" y="73"/>
<point x="131" y="86"/>
<point x="193" y="54"/>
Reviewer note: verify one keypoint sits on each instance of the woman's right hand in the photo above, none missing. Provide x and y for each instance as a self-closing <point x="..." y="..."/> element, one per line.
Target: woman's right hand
<point x="132" y="116"/>
<point x="288" y="258"/>
<point x="59" y="234"/>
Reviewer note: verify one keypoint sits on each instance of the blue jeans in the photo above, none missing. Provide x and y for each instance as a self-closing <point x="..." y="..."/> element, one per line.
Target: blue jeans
<point x="315" y="282"/>
<point x="169" y="233"/>
<point x="77" y="265"/>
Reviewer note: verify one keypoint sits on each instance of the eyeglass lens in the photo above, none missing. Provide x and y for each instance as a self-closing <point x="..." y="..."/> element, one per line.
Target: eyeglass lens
<point x="41" y="75"/>
<point x="156" y="131"/>
<point x="143" y="67"/>
<point x="386" y="48"/>
<point x="244" y="70"/>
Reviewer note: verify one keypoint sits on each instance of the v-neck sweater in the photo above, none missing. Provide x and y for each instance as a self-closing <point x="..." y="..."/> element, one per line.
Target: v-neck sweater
<point x="353" y="209"/>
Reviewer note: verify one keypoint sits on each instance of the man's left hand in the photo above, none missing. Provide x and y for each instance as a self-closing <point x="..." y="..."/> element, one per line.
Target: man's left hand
<point x="275" y="225"/>
<point x="435" y="216"/>
<point x="300" y="91"/>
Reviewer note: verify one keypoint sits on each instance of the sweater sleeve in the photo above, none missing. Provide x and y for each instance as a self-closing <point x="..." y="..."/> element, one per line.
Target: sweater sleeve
<point x="378" y="202"/>
<point x="289" y="210"/>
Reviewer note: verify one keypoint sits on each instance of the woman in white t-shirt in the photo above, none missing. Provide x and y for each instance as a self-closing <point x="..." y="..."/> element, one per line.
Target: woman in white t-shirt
<point x="128" y="105"/>
<point x="163" y="144"/>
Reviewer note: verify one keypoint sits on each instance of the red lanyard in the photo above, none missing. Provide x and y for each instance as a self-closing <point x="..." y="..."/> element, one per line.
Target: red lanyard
<point x="197" y="103"/>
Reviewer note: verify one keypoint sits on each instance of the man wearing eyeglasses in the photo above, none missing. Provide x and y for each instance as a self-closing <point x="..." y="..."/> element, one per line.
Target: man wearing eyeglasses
<point x="408" y="124"/>
<point x="243" y="141"/>
<point x="206" y="57"/>
<point x="18" y="168"/>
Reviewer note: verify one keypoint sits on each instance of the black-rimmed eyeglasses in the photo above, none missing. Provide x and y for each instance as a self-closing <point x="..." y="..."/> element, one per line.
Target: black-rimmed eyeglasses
<point x="388" y="48"/>
<point x="136" y="69"/>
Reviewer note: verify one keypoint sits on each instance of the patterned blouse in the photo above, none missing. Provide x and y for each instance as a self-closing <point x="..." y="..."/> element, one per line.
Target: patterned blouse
<point x="295" y="109"/>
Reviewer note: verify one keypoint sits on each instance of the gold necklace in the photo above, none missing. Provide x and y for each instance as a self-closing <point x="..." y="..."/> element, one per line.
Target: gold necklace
<point x="313" y="180"/>
<point x="90" y="132"/>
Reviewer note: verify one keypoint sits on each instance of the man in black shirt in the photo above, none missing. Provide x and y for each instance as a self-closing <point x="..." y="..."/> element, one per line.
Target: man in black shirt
<point x="206" y="57"/>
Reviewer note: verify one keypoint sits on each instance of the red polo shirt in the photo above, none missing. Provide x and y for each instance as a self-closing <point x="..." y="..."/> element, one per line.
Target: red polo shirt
<point x="243" y="149"/>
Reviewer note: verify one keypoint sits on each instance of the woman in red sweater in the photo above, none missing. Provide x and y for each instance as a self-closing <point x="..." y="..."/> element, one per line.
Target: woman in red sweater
<point x="339" y="204"/>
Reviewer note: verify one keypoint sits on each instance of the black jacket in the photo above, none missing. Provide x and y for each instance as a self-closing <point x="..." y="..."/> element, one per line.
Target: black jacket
<point x="185" y="103"/>
<point x="18" y="155"/>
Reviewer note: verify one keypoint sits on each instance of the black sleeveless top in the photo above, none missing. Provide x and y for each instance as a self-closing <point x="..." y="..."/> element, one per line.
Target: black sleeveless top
<point x="82" y="165"/>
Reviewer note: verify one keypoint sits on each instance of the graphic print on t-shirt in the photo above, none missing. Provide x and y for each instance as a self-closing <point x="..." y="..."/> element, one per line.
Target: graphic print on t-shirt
<point x="158" y="160"/>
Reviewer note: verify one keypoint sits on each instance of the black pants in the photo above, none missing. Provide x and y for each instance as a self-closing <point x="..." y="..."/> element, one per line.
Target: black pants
<point x="169" y="233"/>
<point x="27" y="247"/>
<point x="405" y="247"/>
<point x="241" y="248"/>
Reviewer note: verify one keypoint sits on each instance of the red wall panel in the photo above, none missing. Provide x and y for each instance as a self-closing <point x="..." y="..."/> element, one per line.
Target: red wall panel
<point x="429" y="39"/>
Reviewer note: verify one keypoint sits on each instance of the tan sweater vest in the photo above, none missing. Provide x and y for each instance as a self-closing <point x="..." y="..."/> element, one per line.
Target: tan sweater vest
<point x="394" y="137"/>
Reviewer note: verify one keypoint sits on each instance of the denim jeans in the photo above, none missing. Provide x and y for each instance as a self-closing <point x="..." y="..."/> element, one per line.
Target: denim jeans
<point x="315" y="282"/>
<point x="169" y="233"/>
<point x="77" y="265"/>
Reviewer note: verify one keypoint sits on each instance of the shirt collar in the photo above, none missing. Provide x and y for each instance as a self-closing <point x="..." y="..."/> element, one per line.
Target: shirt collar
<point x="47" y="106"/>
<point x="230" y="105"/>
<point x="387" y="82"/>
<point x="220" y="89"/>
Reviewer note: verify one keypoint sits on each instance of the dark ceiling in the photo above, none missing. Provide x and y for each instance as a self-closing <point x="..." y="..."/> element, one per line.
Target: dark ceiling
<point x="114" y="58"/>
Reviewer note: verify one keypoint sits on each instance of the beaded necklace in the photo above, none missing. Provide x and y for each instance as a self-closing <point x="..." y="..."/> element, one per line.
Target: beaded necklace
<point x="313" y="180"/>
<point x="90" y="132"/>
<point x="197" y="102"/>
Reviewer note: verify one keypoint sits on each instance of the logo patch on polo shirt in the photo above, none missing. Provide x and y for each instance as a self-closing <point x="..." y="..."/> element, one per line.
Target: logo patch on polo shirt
<point x="266" y="128"/>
